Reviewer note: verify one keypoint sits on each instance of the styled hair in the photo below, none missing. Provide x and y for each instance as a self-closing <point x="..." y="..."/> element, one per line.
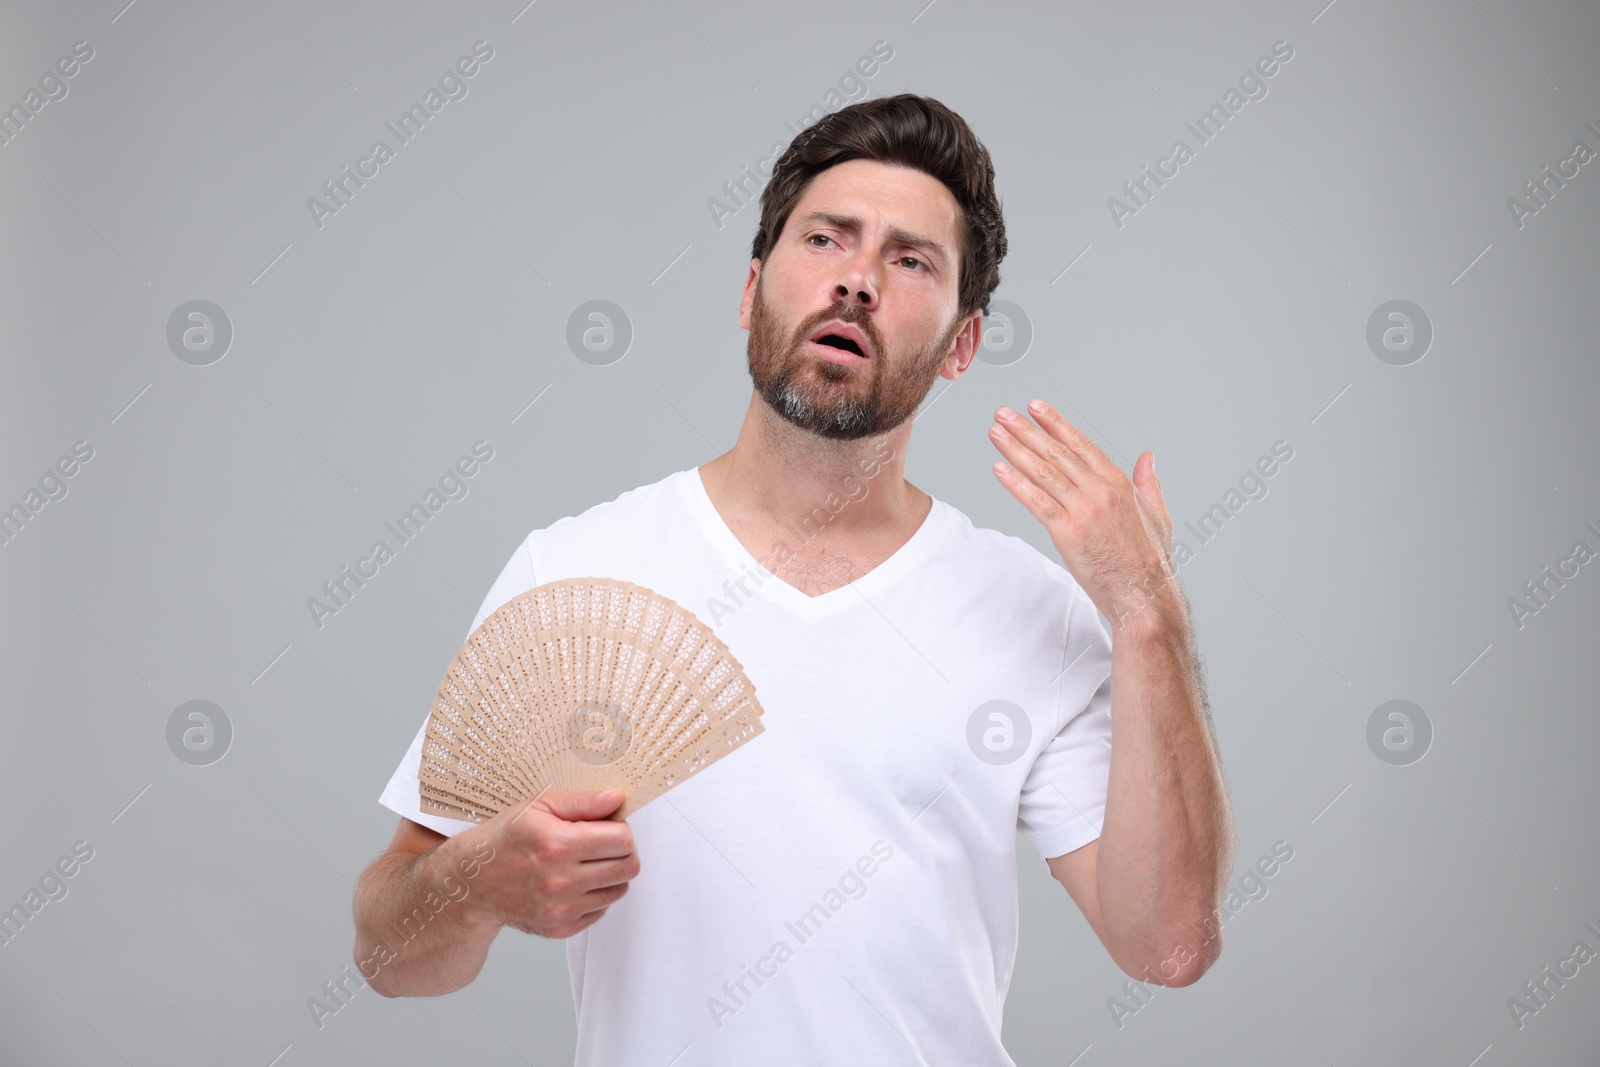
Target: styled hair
<point x="913" y="131"/>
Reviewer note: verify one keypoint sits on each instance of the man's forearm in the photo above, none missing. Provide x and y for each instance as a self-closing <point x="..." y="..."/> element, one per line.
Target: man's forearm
<point x="1168" y="827"/>
<point x="418" y="929"/>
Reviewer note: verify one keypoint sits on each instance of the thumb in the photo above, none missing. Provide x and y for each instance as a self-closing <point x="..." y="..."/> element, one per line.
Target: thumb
<point x="1144" y="475"/>
<point x="580" y="805"/>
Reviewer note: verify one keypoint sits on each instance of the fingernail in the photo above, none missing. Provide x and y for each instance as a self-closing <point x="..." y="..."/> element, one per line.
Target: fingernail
<point x="1007" y="413"/>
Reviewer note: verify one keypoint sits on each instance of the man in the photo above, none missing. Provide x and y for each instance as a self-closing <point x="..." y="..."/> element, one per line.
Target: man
<point x="842" y="889"/>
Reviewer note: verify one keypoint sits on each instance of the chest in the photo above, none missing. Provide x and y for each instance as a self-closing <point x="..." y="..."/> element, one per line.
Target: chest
<point x="870" y="715"/>
<point x="816" y="559"/>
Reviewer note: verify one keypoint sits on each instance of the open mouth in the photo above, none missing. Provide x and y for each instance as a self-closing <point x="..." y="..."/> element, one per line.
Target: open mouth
<point x="833" y="340"/>
<point x="838" y="349"/>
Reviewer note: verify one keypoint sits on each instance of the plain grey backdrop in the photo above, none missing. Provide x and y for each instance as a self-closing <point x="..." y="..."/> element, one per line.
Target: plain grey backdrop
<point x="1429" y="541"/>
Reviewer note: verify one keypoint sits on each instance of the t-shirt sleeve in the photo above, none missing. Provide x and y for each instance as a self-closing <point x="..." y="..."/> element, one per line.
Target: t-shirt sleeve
<point x="1063" y="799"/>
<point x="401" y="795"/>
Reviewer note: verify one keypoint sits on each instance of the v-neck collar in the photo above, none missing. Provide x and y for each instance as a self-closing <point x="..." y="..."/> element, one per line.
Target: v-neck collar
<point x="728" y="545"/>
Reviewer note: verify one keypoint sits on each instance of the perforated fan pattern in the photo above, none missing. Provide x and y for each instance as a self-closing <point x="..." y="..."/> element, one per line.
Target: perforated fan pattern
<point x="585" y="683"/>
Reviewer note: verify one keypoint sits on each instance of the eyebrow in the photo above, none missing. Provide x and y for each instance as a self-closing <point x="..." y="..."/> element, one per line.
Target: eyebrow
<point x="896" y="234"/>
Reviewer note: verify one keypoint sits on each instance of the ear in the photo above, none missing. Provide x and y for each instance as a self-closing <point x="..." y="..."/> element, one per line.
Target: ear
<point x="967" y="341"/>
<point x="749" y="298"/>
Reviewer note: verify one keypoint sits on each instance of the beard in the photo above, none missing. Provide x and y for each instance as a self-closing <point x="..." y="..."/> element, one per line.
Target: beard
<point x="833" y="400"/>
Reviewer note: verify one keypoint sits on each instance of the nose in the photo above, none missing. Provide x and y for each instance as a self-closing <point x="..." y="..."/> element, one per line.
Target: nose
<point x="858" y="280"/>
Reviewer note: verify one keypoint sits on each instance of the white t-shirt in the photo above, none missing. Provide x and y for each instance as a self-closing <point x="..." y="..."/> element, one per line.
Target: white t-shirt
<point x="841" y="888"/>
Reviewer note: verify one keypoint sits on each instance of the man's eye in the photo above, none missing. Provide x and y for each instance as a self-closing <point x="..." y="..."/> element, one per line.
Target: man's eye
<point x="814" y="236"/>
<point x="912" y="259"/>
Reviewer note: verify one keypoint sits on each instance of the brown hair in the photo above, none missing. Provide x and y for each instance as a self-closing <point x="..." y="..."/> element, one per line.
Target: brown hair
<point x="913" y="131"/>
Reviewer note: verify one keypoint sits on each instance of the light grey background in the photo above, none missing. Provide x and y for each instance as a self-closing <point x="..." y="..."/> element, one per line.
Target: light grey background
<point x="1228" y="314"/>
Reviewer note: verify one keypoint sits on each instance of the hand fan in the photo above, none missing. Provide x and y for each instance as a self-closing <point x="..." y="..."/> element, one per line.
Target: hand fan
<point x="584" y="683"/>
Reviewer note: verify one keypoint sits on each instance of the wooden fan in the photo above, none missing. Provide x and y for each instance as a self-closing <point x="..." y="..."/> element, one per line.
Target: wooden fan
<point x="584" y="683"/>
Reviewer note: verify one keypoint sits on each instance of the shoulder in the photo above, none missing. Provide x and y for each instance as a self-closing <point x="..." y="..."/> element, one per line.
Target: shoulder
<point x="614" y="536"/>
<point x="624" y="510"/>
<point x="1008" y="588"/>
<point x="604" y="538"/>
<point x="1002" y="556"/>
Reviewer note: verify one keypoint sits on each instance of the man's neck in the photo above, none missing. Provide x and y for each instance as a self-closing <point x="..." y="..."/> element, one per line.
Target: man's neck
<point x="778" y="476"/>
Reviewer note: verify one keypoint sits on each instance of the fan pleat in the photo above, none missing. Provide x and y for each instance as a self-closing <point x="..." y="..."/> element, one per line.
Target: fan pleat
<point x="584" y="683"/>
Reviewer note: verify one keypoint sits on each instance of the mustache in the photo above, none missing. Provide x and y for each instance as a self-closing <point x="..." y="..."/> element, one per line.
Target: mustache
<point x="854" y="314"/>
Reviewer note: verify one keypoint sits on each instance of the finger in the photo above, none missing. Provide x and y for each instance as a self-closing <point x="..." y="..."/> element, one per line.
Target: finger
<point x="590" y="878"/>
<point x="1082" y="445"/>
<point x="600" y="874"/>
<point x="603" y="840"/>
<point x="1041" y="485"/>
<point x="1042" y="505"/>
<point x="581" y="805"/>
<point x="589" y="839"/>
<point x="1036" y="453"/>
<point x="1149" y="486"/>
<point x="601" y="898"/>
<point x="520" y="808"/>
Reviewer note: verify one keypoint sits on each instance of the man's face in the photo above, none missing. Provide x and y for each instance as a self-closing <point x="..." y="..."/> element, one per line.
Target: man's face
<point x="878" y="247"/>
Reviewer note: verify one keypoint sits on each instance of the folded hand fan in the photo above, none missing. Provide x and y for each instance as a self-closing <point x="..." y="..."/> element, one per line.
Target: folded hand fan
<point x="584" y="683"/>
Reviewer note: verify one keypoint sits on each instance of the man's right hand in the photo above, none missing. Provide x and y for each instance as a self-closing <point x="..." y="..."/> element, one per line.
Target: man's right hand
<point x="558" y="862"/>
<point x="549" y="865"/>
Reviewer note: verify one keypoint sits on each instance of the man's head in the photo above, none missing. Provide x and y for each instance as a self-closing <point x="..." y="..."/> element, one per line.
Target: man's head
<point x="881" y="217"/>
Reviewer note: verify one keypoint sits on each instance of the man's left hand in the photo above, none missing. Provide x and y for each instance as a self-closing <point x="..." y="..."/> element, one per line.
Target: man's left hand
<point x="1114" y="534"/>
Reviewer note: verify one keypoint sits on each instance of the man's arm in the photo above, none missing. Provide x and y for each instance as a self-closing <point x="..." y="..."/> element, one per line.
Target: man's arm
<point x="1151" y="894"/>
<point x="399" y="955"/>
<point x="427" y="909"/>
